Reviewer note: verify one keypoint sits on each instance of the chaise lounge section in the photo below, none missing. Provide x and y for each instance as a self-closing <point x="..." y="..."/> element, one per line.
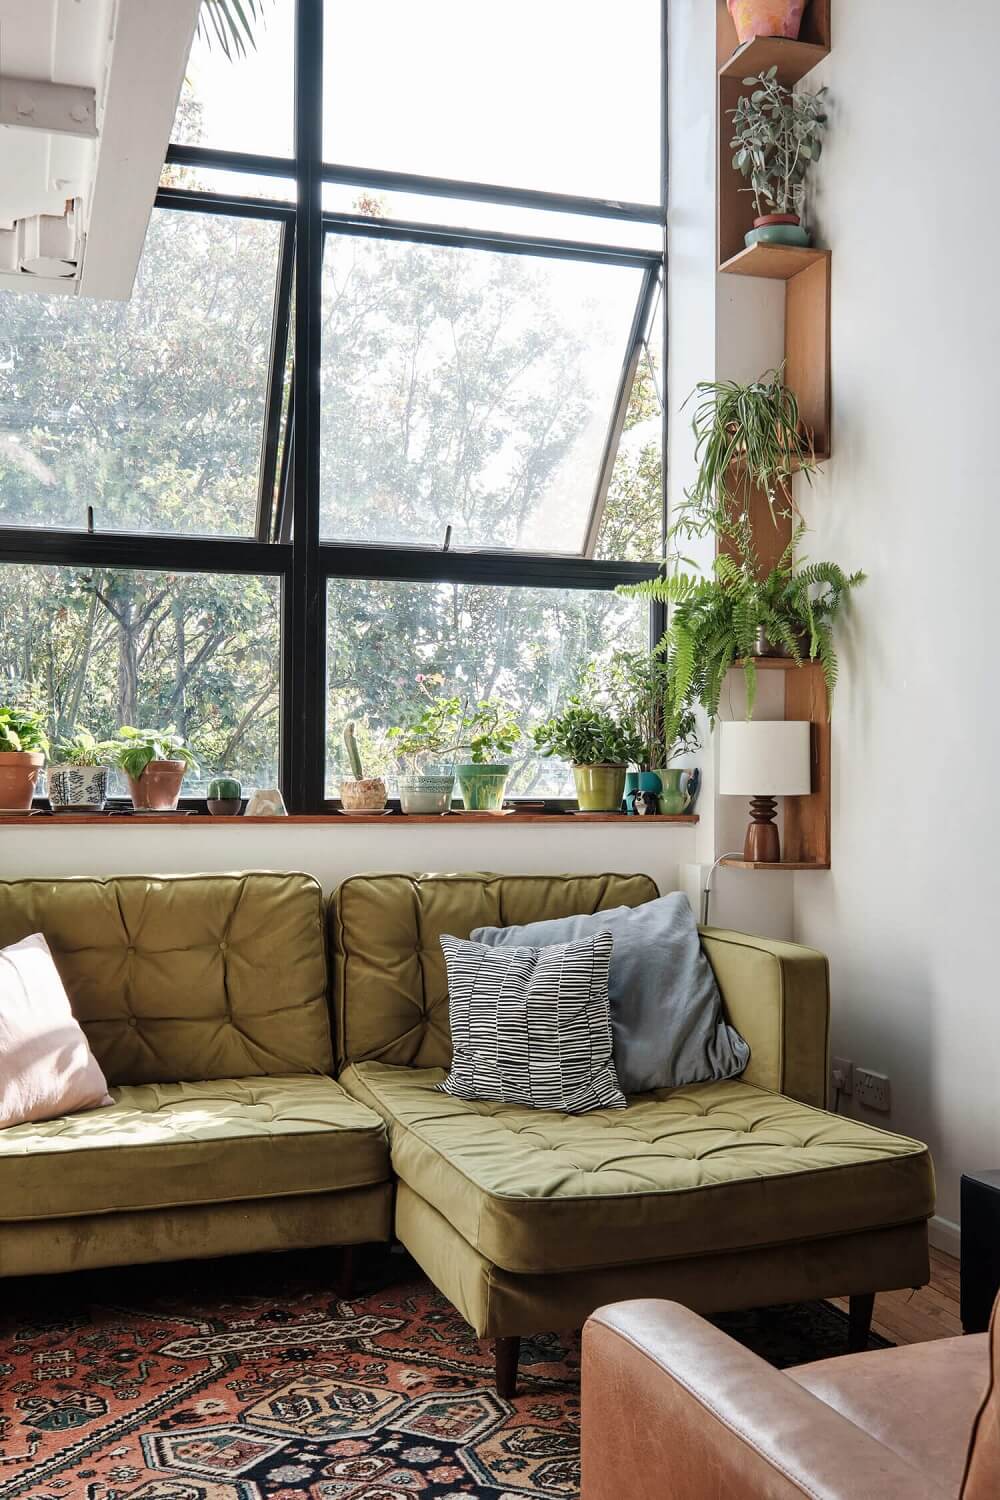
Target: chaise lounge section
<point x="717" y="1195"/>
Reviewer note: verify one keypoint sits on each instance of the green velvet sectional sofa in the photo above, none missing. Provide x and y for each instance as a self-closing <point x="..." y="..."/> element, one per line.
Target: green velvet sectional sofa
<point x="245" y="1120"/>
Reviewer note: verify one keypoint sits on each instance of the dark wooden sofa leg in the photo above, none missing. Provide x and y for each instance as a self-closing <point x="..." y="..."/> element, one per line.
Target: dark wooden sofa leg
<point x="860" y="1324"/>
<point x="507" y="1352"/>
<point x="345" y="1272"/>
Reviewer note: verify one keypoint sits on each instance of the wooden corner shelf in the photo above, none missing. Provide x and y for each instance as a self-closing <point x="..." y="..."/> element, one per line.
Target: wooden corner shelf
<point x="793" y="60"/>
<point x="783" y="864"/>
<point x="774" y="262"/>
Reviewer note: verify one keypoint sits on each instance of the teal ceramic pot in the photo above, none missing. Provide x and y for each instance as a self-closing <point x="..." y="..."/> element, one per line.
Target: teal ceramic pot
<point x="631" y="785"/>
<point x="482" y="786"/>
<point x="675" y="795"/>
<point x="778" y="234"/>
<point x="428" y="792"/>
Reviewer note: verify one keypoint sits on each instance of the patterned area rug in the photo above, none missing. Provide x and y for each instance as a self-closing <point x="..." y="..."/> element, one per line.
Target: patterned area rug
<point x="250" y="1380"/>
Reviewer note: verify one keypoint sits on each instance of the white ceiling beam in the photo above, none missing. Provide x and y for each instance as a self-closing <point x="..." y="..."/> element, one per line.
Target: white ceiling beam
<point x="37" y="104"/>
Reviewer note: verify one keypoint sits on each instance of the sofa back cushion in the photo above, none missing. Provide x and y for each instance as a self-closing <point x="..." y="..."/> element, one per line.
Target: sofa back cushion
<point x="179" y="978"/>
<point x="390" y="982"/>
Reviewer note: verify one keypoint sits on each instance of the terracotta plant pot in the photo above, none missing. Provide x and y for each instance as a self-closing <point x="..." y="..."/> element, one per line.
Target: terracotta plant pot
<point x="159" y="786"/>
<point x="753" y="18"/>
<point x="19" y="773"/>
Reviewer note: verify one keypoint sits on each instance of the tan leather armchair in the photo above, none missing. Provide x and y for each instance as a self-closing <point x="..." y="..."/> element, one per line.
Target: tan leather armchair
<point x="675" y="1410"/>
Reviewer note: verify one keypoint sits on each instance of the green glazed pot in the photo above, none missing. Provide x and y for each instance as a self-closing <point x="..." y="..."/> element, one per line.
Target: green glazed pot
<point x="778" y="234"/>
<point x="674" y="796"/>
<point x="599" y="788"/>
<point x="224" y="788"/>
<point x="482" y="786"/>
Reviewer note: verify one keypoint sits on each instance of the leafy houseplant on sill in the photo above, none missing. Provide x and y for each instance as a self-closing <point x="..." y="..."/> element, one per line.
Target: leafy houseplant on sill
<point x="23" y="747"/>
<point x="597" y="746"/>
<point x="489" y="734"/>
<point x="777" y="137"/>
<point x="425" y="749"/>
<point x="359" y="794"/>
<point x="642" y="687"/>
<point x="154" y="762"/>
<point x="721" y="622"/>
<point x="78" y="775"/>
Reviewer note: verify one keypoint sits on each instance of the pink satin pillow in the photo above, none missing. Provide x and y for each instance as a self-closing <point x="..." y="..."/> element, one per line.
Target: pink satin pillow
<point x="46" y="1066"/>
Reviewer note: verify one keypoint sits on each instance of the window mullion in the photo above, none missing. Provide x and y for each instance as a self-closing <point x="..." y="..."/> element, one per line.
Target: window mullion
<point x="303" y="706"/>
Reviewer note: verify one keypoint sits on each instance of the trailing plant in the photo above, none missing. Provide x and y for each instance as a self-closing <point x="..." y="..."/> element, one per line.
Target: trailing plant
<point x="22" y="730"/>
<point x="642" y="687"/>
<point x="488" y="731"/>
<point x="777" y="137"/>
<point x="746" y="436"/>
<point x="83" y="749"/>
<point x="715" y="622"/>
<point x="135" y="748"/>
<point x="586" y="734"/>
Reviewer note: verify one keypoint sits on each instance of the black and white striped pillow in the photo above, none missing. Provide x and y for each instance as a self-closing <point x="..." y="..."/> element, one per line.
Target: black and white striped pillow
<point x="532" y="1025"/>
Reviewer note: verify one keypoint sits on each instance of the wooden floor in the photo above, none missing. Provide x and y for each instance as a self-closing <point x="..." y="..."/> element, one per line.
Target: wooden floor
<point x="930" y="1313"/>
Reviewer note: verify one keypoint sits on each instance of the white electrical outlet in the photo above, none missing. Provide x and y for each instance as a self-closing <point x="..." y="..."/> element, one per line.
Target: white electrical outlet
<point x="842" y="1076"/>
<point x="872" y="1089"/>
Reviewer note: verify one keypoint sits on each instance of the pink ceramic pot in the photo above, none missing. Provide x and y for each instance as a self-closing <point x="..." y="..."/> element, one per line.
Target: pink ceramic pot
<point x="754" y="18"/>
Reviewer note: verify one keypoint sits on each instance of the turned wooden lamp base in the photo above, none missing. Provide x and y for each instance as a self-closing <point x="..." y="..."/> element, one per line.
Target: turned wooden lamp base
<point x="762" y="845"/>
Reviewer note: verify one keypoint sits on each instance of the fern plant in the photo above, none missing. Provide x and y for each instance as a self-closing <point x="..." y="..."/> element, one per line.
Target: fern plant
<point x="715" y="622"/>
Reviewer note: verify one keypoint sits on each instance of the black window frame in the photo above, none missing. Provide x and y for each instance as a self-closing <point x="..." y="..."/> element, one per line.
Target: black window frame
<point x="287" y="543"/>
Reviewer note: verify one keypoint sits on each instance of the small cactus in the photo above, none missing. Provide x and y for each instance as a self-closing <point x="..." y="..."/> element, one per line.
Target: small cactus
<point x="225" y="789"/>
<point x="353" y="754"/>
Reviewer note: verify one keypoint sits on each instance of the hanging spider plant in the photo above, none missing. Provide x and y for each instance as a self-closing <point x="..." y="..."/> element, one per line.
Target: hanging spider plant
<point x="230" y="24"/>
<point x="747" y="437"/>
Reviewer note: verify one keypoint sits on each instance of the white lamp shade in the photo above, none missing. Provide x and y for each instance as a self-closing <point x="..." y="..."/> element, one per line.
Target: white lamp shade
<point x="765" y="759"/>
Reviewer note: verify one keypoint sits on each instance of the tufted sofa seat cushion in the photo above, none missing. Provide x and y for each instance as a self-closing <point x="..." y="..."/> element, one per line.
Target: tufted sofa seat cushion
<point x="164" y="1145"/>
<point x="391" y="985"/>
<point x="705" y="1169"/>
<point x="186" y="977"/>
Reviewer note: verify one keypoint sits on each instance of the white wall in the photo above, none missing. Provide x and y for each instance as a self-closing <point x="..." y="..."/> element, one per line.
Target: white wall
<point x="909" y="913"/>
<point x="333" y="851"/>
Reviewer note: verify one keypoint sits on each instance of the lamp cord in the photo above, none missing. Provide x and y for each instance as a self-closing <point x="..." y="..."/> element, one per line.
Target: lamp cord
<point x="706" y="895"/>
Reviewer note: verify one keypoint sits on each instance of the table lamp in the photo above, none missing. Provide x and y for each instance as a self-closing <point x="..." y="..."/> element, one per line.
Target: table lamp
<point x="763" y="760"/>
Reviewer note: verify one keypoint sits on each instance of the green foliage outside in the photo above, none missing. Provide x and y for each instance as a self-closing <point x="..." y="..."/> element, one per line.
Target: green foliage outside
<point x="151" y="411"/>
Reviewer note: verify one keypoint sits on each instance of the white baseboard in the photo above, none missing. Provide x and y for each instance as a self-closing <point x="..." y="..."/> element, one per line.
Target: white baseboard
<point x="944" y="1234"/>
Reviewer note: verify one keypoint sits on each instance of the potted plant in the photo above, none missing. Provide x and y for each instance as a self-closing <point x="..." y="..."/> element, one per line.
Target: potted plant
<point x="425" y="749"/>
<point x="598" y="747"/>
<point x="225" y="797"/>
<point x="722" y="621"/>
<point x="746" y="437"/>
<point x="642" y="687"/>
<point x="777" y="137"/>
<point x="78" y="775"/>
<point x="154" y="762"/>
<point x="489" y="733"/>
<point x="753" y="18"/>
<point x="360" y="793"/>
<point x="23" y="747"/>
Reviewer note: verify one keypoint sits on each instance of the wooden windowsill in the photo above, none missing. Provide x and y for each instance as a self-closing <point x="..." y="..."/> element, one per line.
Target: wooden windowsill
<point x="390" y="820"/>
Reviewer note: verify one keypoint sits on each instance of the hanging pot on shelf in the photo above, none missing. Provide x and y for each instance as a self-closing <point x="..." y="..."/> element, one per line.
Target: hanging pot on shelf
<point x="753" y="18"/>
<point x="778" y="229"/>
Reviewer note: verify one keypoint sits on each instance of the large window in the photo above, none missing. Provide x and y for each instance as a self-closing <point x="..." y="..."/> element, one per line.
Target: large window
<point x="386" y="399"/>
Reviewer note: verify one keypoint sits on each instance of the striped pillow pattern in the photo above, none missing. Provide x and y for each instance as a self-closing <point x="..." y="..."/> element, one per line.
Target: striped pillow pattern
<point x="532" y="1025"/>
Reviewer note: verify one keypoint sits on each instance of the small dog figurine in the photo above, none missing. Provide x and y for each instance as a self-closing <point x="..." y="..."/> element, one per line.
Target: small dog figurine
<point x="644" y="804"/>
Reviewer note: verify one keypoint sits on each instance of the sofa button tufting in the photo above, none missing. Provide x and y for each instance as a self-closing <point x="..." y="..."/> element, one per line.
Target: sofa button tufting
<point x="132" y="1021"/>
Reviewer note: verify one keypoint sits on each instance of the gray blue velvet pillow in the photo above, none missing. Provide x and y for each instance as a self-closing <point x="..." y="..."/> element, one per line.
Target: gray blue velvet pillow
<point x="666" y="1011"/>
